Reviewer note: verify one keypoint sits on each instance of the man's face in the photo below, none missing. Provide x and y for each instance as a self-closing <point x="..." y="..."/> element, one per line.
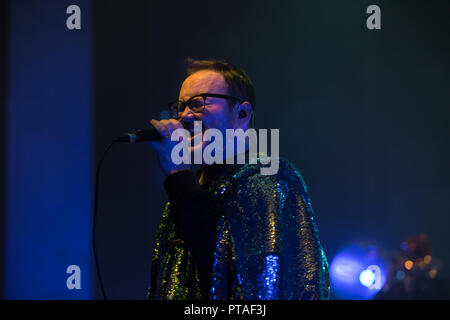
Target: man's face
<point x="217" y="113"/>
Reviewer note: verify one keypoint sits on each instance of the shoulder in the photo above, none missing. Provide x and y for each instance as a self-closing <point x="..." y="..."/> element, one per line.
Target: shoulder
<point x="281" y="169"/>
<point x="286" y="177"/>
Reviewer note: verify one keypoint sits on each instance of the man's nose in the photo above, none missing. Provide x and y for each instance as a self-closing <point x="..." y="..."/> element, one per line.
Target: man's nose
<point x="187" y="115"/>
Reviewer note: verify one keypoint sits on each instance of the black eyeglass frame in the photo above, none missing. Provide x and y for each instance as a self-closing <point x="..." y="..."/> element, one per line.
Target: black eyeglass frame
<point x="204" y="96"/>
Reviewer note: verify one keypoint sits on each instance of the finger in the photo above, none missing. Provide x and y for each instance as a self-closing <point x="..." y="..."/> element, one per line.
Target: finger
<point x="177" y="124"/>
<point x="161" y="128"/>
<point x="172" y="125"/>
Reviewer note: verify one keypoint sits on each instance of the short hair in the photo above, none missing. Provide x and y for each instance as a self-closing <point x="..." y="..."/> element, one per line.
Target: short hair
<point x="237" y="80"/>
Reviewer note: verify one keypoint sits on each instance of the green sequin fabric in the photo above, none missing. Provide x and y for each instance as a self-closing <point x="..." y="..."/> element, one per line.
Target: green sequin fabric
<point x="267" y="242"/>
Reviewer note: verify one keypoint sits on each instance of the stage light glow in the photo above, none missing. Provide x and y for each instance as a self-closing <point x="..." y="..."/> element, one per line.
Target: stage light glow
<point x="408" y="264"/>
<point x="404" y="246"/>
<point x="367" y="278"/>
<point x="427" y="259"/>
<point x="432" y="273"/>
<point x="357" y="272"/>
<point x="400" y="275"/>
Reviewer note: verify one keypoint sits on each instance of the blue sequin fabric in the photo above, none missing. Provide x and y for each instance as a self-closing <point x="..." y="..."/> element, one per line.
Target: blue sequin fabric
<point x="267" y="244"/>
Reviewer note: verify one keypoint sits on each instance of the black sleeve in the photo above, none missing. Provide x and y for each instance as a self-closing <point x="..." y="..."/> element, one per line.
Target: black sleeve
<point x="196" y="218"/>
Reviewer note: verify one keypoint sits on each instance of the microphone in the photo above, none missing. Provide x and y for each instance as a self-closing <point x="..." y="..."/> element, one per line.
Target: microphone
<point x="142" y="135"/>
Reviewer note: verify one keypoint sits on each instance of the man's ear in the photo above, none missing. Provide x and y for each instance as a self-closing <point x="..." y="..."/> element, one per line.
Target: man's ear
<point x="243" y="114"/>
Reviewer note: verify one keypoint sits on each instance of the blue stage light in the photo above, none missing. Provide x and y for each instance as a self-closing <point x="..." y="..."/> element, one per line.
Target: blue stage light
<point x="358" y="272"/>
<point x="367" y="278"/>
<point x="400" y="275"/>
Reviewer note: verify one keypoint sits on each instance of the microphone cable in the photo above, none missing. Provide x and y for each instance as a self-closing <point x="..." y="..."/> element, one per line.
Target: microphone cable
<point x="137" y="136"/>
<point x="94" y="224"/>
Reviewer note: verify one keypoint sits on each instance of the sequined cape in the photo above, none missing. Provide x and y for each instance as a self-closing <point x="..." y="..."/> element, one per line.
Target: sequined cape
<point x="267" y="242"/>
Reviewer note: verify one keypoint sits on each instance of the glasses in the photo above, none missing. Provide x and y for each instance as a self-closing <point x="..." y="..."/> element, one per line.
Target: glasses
<point x="196" y="103"/>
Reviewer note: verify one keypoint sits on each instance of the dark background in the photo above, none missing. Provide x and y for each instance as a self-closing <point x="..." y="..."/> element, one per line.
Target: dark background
<point x="4" y="7"/>
<point x="362" y="114"/>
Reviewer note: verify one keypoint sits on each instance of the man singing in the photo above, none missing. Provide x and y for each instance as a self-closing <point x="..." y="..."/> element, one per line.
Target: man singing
<point x="228" y="231"/>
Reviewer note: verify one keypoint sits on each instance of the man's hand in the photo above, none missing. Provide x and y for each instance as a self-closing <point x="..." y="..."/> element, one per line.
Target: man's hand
<point x="164" y="147"/>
